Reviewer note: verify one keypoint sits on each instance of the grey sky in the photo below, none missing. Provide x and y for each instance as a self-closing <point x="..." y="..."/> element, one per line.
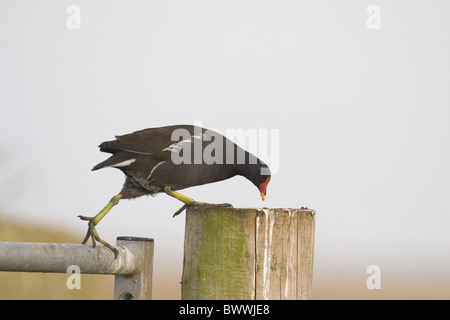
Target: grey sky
<point x="362" y="116"/>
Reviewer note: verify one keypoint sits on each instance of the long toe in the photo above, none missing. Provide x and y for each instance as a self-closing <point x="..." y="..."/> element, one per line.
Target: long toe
<point x="226" y="205"/>
<point x="93" y="234"/>
<point x="205" y="204"/>
<point x="110" y="247"/>
<point x="85" y="218"/>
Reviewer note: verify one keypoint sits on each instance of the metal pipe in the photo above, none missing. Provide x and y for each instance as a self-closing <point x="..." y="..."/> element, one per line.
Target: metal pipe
<point x="57" y="257"/>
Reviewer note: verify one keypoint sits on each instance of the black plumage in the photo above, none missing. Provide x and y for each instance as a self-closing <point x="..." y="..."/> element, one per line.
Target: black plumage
<point x="145" y="158"/>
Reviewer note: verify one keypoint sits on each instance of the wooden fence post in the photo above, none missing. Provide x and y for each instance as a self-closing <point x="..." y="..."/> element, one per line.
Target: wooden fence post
<point x="232" y="253"/>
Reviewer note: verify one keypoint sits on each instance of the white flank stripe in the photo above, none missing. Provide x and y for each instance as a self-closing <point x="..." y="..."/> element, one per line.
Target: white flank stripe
<point x="123" y="163"/>
<point x="176" y="146"/>
<point x="172" y="147"/>
<point x="157" y="165"/>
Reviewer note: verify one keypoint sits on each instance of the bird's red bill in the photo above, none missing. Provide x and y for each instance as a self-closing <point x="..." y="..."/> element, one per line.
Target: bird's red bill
<point x="263" y="188"/>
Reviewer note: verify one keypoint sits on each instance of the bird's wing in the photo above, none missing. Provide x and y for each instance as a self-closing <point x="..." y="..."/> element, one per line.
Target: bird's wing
<point x="153" y="141"/>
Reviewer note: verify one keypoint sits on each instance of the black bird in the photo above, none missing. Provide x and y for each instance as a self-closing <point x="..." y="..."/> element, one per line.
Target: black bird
<point x="171" y="158"/>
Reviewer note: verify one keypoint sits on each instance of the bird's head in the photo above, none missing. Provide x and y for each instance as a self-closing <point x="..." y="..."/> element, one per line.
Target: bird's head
<point x="257" y="172"/>
<point x="261" y="178"/>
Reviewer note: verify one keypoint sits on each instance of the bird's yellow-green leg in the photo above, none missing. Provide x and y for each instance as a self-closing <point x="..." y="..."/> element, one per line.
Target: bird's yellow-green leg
<point x="182" y="197"/>
<point x="93" y="221"/>
<point x="191" y="202"/>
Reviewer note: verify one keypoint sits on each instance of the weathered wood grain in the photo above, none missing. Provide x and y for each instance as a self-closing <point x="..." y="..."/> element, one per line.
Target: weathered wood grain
<point x="233" y="253"/>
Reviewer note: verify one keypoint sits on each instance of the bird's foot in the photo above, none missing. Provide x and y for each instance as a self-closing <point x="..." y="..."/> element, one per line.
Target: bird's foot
<point x="191" y="202"/>
<point x="202" y="204"/>
<point x="93" y="234"/>
<point x="205" y="204"/>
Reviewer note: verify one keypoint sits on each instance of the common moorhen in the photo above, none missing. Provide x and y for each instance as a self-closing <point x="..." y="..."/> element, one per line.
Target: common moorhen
<point x="171" y="158"/>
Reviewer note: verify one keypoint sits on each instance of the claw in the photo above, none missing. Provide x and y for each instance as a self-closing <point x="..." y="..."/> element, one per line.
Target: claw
<point x="202" y="204"/>
<point x="179" y="211"/>
<point x="93" y="234"/>
<point x="191" y="202"/>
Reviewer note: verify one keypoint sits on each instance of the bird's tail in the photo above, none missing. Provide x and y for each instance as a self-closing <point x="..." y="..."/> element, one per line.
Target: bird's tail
<point x="117" y="160"/>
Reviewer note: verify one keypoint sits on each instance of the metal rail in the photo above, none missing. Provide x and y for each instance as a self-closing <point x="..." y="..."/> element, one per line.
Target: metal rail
<point x="133" y="266"/>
